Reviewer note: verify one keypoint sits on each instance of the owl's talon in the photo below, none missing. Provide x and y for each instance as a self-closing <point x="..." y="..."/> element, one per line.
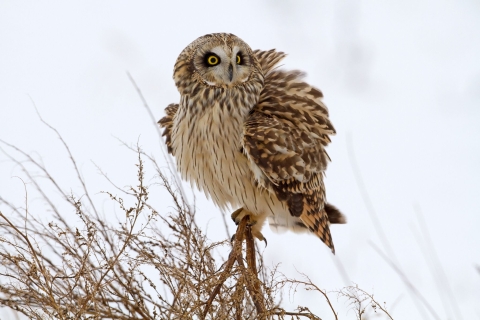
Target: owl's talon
<point x="238" y="215"/>
<point x="259" y="236"/>
<point x="235" y="216"/>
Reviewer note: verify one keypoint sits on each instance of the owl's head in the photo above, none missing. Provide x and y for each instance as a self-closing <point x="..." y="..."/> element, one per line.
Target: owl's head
<point x="216" y="60"/>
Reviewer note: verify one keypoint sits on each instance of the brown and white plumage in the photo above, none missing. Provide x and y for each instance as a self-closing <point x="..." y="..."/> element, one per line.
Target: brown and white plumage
<point x="251" y="136"/>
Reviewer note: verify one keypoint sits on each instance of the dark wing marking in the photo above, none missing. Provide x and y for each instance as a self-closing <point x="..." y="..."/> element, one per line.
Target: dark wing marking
<point x="167" y="123"/>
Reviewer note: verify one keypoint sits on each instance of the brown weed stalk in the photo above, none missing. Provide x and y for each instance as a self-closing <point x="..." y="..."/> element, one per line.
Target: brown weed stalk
<point x="150" y="265"/>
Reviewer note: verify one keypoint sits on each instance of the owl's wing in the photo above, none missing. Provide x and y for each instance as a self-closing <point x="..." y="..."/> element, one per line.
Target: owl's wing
<point x="284" y="136"/>
<point x="167" y="123"/>
<point x="268" y="59"/>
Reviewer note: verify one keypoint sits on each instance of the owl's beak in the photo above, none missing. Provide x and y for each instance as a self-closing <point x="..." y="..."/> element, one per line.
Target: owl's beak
<point x="230" y="72"/>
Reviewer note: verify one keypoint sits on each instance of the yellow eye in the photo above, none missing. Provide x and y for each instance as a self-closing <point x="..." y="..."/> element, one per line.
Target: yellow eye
<point x="239" y="59"/>
<point x="213" y="60"/>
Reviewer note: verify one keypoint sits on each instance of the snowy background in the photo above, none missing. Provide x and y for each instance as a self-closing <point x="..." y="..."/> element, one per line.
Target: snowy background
<point x="402" y="83"/>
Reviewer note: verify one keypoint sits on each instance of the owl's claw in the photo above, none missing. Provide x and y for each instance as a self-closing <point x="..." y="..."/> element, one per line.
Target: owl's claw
<point x="262" y="239"/>
<point x="235" y="216"/>
<point x="238" y="215"/>
<point x="259" y="236"/>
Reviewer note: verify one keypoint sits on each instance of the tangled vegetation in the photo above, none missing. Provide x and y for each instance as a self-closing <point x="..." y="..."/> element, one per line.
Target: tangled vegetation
<point x="152" y="265"/>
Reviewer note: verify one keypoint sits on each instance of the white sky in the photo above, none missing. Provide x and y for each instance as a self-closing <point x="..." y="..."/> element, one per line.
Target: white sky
<point x="402" y="80"/>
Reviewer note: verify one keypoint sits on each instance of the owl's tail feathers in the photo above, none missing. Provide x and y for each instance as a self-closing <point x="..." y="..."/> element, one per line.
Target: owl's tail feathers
<point x="334" y="215"/>
<point x="318" y="223"/>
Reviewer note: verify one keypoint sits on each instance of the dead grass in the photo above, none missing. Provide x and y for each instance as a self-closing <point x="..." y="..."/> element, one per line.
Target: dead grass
<point x="152" y="265"/>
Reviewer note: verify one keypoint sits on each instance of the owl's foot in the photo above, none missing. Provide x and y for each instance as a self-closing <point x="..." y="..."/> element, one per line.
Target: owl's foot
<point x="239" y="214"/>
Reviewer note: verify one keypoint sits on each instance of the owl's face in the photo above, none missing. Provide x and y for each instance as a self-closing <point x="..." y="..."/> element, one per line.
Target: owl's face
<point x="221" y="64"/>
<point x="216" y="60"/>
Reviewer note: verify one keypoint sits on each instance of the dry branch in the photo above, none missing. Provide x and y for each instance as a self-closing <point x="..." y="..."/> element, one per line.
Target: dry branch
<point x="79" y="265"/>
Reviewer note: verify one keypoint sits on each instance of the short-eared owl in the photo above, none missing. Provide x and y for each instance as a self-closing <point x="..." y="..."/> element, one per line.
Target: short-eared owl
<point x="251" y="136"/>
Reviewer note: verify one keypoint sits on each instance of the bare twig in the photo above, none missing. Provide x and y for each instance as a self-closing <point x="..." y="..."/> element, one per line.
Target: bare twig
<point x="254" y="286"/>
<point x="236" y="250"/>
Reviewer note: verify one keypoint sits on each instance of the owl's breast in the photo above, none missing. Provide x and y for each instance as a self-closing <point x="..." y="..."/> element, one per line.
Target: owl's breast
<point x="207" y="147"/>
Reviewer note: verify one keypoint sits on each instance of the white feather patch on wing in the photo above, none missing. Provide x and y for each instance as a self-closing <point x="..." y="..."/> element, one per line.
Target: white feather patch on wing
<point x="284" y="223"/>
